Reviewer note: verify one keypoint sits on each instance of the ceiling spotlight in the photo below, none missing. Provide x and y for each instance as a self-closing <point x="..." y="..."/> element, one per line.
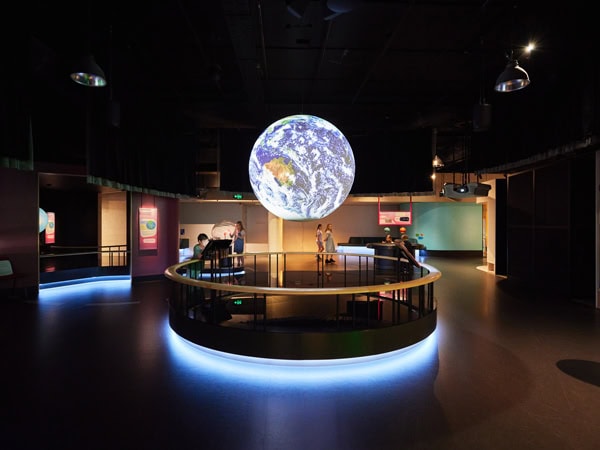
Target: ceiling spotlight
<point x="513" y="78"/>
<point x="89" y="73"/>
<point x="437" y="162"/>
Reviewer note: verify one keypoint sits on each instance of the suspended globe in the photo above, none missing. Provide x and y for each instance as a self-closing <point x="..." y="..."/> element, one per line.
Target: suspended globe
<point x="301" y="168"/>
<point x="43" y="220"/>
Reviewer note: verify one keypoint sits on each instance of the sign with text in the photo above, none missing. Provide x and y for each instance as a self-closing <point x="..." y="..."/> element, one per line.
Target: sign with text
<point x="50" y="229"/>
<point x="148" y="228"/>
<point x="395" y="217"/>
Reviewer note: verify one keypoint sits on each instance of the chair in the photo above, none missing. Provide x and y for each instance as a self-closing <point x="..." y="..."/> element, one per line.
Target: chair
<point x="7" y="273"/>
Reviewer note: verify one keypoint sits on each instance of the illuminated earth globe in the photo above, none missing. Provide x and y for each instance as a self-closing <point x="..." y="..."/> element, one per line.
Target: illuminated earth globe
<point x="43" y="220"/>
<point x="301" y="168"/>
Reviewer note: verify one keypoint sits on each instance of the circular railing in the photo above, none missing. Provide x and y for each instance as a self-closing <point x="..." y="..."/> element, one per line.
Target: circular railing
<point x="287" y="305"/>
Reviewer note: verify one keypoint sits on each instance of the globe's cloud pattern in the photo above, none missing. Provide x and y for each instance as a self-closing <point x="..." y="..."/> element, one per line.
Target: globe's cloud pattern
<point x="301" y="168"/>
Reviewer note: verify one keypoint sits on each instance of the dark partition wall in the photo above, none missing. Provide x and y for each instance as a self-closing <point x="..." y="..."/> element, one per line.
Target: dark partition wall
<point x="19" y="226"/>
<point x="550" y="230"/>
<point x="519" y="227"/>
<point x="501" y="240"/>
<point x="582" y="252"/>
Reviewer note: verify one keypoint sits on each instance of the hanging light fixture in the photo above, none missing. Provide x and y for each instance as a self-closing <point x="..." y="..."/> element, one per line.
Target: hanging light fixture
<point x="89" y="73"/>
<point x="513" y="78"/>
<point x="482" y="111"/>
<point x="437" y="161"/>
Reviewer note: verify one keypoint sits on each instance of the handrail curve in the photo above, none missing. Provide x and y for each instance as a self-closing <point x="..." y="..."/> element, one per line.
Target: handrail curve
<point x="172" y="273"/>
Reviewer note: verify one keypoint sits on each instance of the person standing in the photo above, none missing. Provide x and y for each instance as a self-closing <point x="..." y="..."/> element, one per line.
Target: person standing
<point x="239" y="238"/>
<point x="329" y="243"/>
<point x="319" y="241"/>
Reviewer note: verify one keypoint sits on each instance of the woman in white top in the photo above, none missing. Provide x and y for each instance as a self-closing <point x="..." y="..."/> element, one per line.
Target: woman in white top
<point x="319" y="241"/>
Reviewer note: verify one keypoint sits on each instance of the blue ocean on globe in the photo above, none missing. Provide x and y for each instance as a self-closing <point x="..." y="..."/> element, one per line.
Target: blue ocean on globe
<point x="301" y="168"/>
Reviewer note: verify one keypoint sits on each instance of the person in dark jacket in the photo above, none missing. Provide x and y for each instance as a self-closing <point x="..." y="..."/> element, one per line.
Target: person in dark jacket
<point x="407" y="259"/>
<point x="409" y="245"/>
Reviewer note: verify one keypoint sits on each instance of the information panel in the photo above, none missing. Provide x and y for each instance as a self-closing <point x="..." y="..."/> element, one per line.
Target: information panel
<point x="148" y="228"/>
<point x="394" y="217"/>
<point x="51" y="229"/>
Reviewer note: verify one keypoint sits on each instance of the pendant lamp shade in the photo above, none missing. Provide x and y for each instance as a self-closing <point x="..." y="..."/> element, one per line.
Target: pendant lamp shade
<point x="437" y="162"/>
<point x="513" y="78"/>
<point x="89" y="73"/>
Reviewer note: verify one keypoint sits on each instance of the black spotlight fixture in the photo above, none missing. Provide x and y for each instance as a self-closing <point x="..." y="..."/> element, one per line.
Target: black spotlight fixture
<point x="89" y="73"/>
<point x="513" y="78"/>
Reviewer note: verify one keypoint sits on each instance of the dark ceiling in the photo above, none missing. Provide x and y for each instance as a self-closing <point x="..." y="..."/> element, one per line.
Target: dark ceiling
<point x="366" y="66"/>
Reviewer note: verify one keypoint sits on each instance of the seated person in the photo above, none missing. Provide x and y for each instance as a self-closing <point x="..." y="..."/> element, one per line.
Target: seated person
<point x="199" y="247"/>
<point x="409" y="245"/>
<point x="406" y="253"/>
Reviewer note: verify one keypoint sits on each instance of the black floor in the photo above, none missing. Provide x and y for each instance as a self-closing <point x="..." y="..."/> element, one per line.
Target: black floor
<point x="99" y="368"/>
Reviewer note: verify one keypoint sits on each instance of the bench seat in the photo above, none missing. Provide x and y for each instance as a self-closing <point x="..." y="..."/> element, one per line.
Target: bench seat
<point x="7" y="273"/>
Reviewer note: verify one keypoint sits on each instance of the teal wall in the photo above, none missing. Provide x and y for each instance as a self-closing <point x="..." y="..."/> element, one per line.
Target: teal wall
<point x="448" y="226"/>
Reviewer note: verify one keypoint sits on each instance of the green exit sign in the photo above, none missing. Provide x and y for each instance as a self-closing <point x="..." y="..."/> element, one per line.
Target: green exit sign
<point x="238" y="196"/>
<point x="237" y="301"/>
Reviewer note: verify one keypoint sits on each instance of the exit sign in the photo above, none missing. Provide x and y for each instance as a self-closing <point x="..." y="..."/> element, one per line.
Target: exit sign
<point x="238" y="196"/>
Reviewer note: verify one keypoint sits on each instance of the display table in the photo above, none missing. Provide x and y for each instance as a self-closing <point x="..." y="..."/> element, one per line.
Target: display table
<point x="383" y="249"/>
<point x="358" y="249"/>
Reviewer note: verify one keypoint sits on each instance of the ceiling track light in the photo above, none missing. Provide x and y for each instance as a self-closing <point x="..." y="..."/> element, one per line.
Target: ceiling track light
<point x="437" y="161"/>
<point x="89" y="73"/>
<point x="513" y="78"/>
<point x="482" y="112"/>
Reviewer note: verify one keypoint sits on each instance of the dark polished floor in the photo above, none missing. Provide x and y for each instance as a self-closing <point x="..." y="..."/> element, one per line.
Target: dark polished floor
<point x="99" y="368"/>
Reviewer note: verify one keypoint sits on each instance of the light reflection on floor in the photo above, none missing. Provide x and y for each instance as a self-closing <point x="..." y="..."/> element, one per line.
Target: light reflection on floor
<point x="96" y="290"/>
<point x="307" y="372"/>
